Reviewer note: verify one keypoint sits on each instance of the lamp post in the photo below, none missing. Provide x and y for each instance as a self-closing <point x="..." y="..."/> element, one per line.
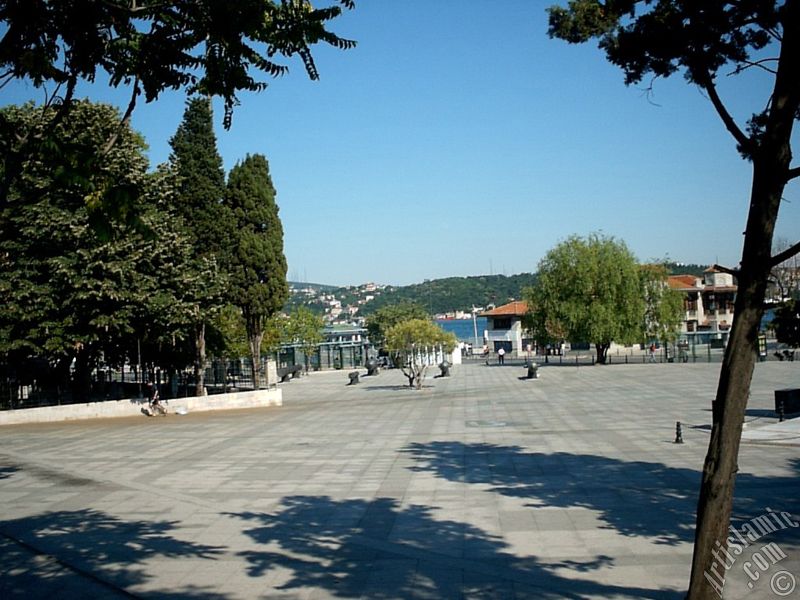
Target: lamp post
<point x="475" y="327"/>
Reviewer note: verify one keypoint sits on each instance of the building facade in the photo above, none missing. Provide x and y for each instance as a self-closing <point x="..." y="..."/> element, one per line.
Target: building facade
<point x="708" y="304"/>
<point x="504" y="329"/>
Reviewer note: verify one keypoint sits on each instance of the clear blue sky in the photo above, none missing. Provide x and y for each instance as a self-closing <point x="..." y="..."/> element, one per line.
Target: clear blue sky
<point x="458" y="139"/>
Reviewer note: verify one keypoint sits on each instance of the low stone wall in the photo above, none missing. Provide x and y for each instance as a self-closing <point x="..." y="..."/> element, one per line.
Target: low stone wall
<point x="133" y="407"/>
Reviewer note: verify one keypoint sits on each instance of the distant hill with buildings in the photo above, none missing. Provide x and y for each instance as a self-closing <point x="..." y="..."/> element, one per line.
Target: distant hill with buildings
<point x="439" y="296"/>
<point x="447" y="296"/>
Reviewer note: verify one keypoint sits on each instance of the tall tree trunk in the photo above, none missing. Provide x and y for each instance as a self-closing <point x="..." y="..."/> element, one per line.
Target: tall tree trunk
<point x="771" y="164"/>
<point x="255" y="339"/>
<point x="602" y="352"/>
<point x="200" y="359"/>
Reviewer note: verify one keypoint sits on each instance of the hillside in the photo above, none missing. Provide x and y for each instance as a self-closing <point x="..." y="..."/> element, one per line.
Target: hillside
<point x="437" y="296"/>
<point x="455" y="293"/>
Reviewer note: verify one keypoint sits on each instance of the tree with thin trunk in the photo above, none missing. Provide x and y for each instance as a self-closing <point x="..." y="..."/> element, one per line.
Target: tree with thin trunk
<point x="255" y="262"/>
<point x="704" y="39"/>
<point x="412" y="342"/>
<point x="663" y="313"/>
<point x="205" y="218"/>
<point x="588" y="290"/>
<point x="304" y="328"/>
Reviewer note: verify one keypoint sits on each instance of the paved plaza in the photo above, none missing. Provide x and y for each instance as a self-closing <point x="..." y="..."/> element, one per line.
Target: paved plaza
<point x="480" y="485"/>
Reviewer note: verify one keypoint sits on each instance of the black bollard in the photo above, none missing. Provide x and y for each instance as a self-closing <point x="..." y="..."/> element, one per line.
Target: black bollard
<point x="678" y="433"/>
<point x="781" y="413"/>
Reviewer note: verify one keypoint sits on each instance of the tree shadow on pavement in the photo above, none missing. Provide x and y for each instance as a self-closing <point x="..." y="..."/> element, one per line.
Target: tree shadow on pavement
<point x="634" y="498"/>
<point x="379" y="549"/>
<point x="65" y="550"/>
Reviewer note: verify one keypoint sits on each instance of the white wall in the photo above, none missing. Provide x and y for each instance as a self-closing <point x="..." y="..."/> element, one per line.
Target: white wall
<point x="133" y="407"/>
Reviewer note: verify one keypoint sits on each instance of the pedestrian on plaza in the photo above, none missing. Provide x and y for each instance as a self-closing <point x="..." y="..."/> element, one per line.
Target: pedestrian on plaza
<point x="652" y="353"/>
<point x="501" y="355"/>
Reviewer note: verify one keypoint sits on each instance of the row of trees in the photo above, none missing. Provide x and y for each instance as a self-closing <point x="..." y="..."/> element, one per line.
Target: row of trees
<point x="593" y="290"/>
<point x="147" y="278"/>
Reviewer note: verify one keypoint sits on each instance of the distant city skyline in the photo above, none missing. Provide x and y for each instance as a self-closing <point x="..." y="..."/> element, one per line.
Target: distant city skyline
<point x="458" y="139"/>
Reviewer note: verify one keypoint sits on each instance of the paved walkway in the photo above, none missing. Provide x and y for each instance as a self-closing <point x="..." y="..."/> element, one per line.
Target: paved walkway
<point x="481" y="485"/>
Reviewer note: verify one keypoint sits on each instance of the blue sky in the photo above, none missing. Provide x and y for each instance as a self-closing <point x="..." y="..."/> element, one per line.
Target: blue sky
<point x="458" y="139"/>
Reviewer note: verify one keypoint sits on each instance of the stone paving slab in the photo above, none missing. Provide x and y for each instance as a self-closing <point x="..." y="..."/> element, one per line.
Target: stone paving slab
<point x="480" y="485"/>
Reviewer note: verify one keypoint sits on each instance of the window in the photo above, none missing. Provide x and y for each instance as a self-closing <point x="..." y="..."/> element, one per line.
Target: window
<point x="502" y="323"/>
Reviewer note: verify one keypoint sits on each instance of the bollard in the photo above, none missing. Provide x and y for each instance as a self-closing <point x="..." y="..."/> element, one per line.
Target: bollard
<point x="678" y="433"/>
<point x="353" y="378"/>
<point x="780" y="411"/>
<point x="445" y="368"/>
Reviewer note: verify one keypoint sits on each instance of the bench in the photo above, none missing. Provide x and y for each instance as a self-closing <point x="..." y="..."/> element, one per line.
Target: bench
<point x="291" y="372"/>
<point x="787" y="401"/>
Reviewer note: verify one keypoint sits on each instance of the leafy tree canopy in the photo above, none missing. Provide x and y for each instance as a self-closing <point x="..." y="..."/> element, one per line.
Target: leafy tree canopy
<point x="304" y="328"/>
<point x="255" y="259"/>
<point x="65" y="290"/>
<point x="379" y="323"/>
<point x="213" y="47"/>
<point x="644" y="37"/>
<point x="588" y="290"/>
<point x="409" y="339"/>
<point x="663" y="306"/>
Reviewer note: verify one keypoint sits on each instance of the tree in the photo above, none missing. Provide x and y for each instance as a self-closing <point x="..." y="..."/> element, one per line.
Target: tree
<point x="663" y="312"/>
<point x="304" y="328"/>
<point x="703" y="40"/>
<point x="785" y="277"/>
<point x="411" y="341"/>
<point x="206" y="220"/>
<point x="379" y="323"/>
<point x="213" y="48"/>
<point x="787" y="323"/>
<point x="588" y="290"/>
<point x="255" y="262"/>
<point x="70" y="292"/>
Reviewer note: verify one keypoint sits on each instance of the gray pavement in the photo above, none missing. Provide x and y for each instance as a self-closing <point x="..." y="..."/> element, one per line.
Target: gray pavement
<point x="480" y="485"/>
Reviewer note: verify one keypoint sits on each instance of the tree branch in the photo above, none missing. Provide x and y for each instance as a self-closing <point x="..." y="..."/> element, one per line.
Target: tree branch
<point x="746" y="64"/>
<point x="785" y="255"/>
<point x="744" y="141"/>
<point x="792" y="173"/>
<point x="125" y="119"/>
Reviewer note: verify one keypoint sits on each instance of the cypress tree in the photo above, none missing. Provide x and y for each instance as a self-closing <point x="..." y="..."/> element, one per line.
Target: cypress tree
<point x="256" y="264"/>
<point x="199" y="204"/>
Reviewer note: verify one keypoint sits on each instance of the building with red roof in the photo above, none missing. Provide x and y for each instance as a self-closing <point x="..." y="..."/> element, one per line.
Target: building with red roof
<point x="504" y="328"/>
<point x="708" y="302"/>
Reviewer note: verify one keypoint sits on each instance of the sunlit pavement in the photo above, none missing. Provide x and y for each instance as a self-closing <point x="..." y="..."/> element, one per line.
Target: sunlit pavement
<point x="480" y="485"/>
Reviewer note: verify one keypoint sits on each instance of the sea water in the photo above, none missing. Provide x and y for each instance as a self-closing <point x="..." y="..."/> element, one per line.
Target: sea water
<point x="464" y="329"/>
